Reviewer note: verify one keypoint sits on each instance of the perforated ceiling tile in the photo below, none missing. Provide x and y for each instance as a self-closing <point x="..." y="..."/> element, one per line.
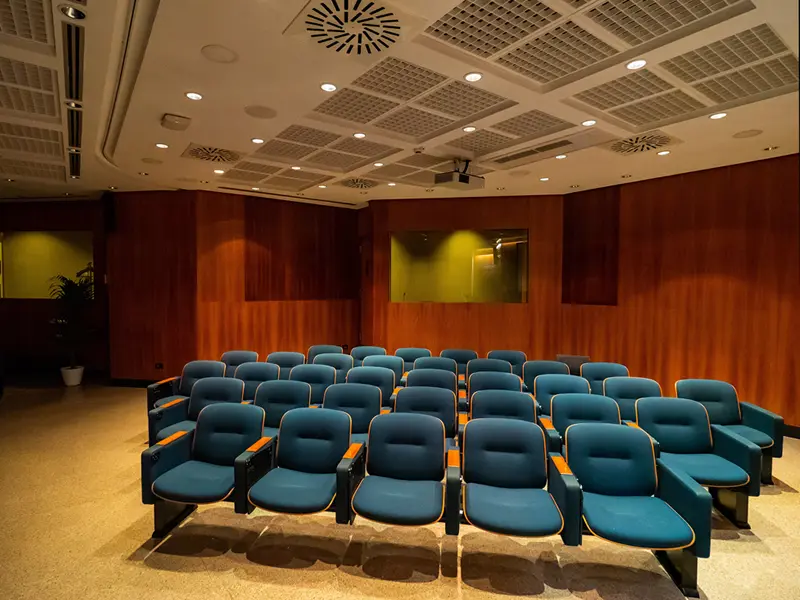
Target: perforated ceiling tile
<point x="27" y="101"/>
<point x="237" y="175"/>
<point x="363" y="147"/>
<point x="637" y="21"/>
<point x="423" y="161"/>
<point x="399" y="79"/>
<point x="481" y="141"/>
<point x="24" y="168"/>
<point x="286" y="183"/>
<point x="257" y="168"/>
<point x="672" y="105"/>
<point x="623" y="90"/>
<point x="354" y="106"/>
<point x="423" y="178"/>
<point x="751" y="81"/>
<point x="27" y="75"/>
<point x="735" y="51"/>
<point x="534" y="122"/>
<point x="391" y="171"/>
<point x="557" y="53"/>
<point x="484" y="27"/>
<point x="21" y="138"/>
<point x="460" y="99"/>
<point x="413" y="122"/>
<point x="284" y="149"/>
<point x="329" y="158"/>
<point x="308" y="136"/>
<point x="304" y="175"/>
<point x="24" y="19"/>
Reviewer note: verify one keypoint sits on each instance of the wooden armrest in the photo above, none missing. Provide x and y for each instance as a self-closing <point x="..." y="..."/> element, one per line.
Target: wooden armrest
<point x="546" y="422"/>
<point x="386" y="411"/>
<point x="168" y="379"/>
<point x="313" y="406"/>
<point x="397" y="389"/>
<point x="453" y="459"/>
<point x="462" y="377"/>
<point x="259" y="444"/>
<point x="561" y="465"/>
<point x="352" y="450"/>
<point x="462" y="418"/>
<point x="172" y="403"/>
<point x="630" y="424"/>
<point x="462" y="394"/>
<point x="405" y="374"/>
<point x="172" y="438"/>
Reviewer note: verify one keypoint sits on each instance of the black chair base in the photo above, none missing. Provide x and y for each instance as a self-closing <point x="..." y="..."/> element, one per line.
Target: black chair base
<point x="168" y="515"/>
<point x="766" y="467"/>
<point x="681" y="565"/>
<point x="732" y="504"/>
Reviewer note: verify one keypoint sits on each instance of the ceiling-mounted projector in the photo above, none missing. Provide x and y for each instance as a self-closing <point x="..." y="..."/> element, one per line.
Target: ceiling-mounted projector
<point x="459" y="179"/>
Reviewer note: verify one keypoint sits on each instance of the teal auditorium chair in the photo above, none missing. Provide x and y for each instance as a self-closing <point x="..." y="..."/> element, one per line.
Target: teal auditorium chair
<point x="505" y="473"/>
<point x="760" y="426"/>
<point x="313" y="351"/>
<point x="303" y="481"/>
<point x="254" y="374"/>
<point x="380" y="377"/>
<point x="178" y="388"/>
<point x="359" y="353"/>
<point x="359" y="400"/>
<point x="503" y="404"/>
<point x="489" y="380"/>
<point x="277" y="398"/>
<point x="409" y="355"/>
<point x="434" y="362"/>
<point x="341" y="362"/>
<point x="597" y="372"/>
<point x="181" y="415"/>
<point x="405" y="468"/>
<point x="547" y="386"/>
<point x="487" y="365"/>
<point x="533" y="368"/>
<point x="569" y="409"/>
<point x="234" y="358"/>
<point x="431" y="378"/>
<point x="516" y="358"/>
<point x="729" y="465"/>
<point x="627" y="390"/>
<point x="395" y="363"/>
<point x="319" y="377"/>
<point x="202" y="466"/>
<point x="286" y="361"/>
<point x="462" y="356"/>
<point x="634" y="499"/>
<point x="432" y="401"/>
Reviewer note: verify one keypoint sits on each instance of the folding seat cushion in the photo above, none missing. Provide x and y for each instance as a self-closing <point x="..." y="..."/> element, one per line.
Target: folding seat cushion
<point x="533" y="368"/>
<point x="359" y="353"/>
<point x="405" y="468"/>
<point x="286" y="361"/>
<point x="436" y="402"/>
<point x="313" y="351"/>
<point x="626" y="390"/>
<point x="502" y="404"/>
<point x="254" y="374"/>
<point x="516" y="358"/>
<point x="395" y="363"/>
<point x="234" y="358"/>
<point x="319" y="377"/>
<point x="596" y="372"/>
<point x="341" y="362"/>
<point x="409" y="355"/>
<point x="505" y="473"/>
<point x="361" y="401"/>
<point x="380" y="377"/>
<point x="279" y="397"/>
<point x="176" y="388"/>
<point x="312" y="442"/>
<point x="547" y="386"/>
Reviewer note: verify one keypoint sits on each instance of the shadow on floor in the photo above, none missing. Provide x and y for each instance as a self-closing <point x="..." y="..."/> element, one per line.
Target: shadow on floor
<point x="779" y="487"/>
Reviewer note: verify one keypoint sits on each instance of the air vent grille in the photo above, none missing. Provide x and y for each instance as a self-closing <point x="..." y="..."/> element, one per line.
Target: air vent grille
<point x="28" y="101"/>
<point x="308" y="135"/>
<point x="210" y="154"/>
<point x="413" y="122"/>
<point x="532" y="123"/>
<point x="751" y="81"/>
<point x="25" y="19"/>
<point x="75" y="165"/>
<point x="531" y="151"/>
<point x="74" y="128"/>
<point x="460" y="99"/>
<point x="26" y="75"/>
<point x="399" y="79"/>
<point x="21" y="138"/>
<point x="623" y="90"/>
<point x="359" y="183"/>
<point x="666" y="107"/>
<point x="352" y="26"/>
<point x="481" y="142"/>
<point x="652" y="140"/>
<point x="24" y="168"/>
<point x="283" y="149"/>
<point x="73" y="61"/>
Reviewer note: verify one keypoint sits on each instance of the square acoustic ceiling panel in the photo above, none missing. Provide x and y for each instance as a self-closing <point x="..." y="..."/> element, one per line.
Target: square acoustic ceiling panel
<point x="37" y="170"/>
<point x="399" y="79"/>
<point x="32" y="140"/>
<point x="25" y="20"/>
<point x="27" y="88"/>
<point x="630" y="88"/>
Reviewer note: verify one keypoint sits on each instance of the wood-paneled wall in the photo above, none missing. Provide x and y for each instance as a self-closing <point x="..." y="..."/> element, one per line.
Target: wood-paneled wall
<point x="708" y="281"/>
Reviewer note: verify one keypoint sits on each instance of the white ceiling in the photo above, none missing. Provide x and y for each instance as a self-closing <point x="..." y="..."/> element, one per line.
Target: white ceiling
<point x="547" y="65"/>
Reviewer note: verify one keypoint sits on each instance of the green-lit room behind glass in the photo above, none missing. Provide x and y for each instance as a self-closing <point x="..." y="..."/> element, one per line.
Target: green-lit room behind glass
<point x="460" y="266"/>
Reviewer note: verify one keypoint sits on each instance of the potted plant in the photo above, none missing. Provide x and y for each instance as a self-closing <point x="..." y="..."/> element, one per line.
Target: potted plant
<point x="74" y="297"/>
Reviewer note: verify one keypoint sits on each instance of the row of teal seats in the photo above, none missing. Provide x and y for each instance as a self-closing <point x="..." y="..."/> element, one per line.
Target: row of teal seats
<point x="503" y="480"/>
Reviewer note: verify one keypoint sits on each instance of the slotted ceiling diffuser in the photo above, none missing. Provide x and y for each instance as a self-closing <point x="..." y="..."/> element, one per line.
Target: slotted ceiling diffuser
<point x="352" y="26"/>
<point x="210" y="154"/>
<point x="359" y="183"/>
<point x="645" y="142"/>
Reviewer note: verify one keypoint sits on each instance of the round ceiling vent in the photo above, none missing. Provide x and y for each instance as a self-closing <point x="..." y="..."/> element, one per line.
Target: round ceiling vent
<point x="641" y="143"/>
<point x="360" y="26"/>
<point x="359" y="183"/>
<point x="210" y="154"/>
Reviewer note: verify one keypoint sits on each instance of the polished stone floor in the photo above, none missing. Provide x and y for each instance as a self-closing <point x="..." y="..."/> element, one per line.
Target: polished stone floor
<point x="73" y="526"/>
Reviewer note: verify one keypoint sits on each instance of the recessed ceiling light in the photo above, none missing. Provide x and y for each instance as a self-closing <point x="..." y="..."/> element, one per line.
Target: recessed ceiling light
<point x="770" y="148"/>
<point x="10" y="180"/>
<point x="219" y="171"/>
<point x="203" y="181"/>
<point x="360" y="135"/>
<point x="716" y="116"/>
<point x="500" y="189"/>
<point x="663" y="153"/>
<point x="194" y="96"/>
<point x="66" y="193"/>
<point x="328" y="87"/>
<point x="322" y="187"/>
<point x="589" y="123"/>
<point x="74" y="150"/>
<point x="72" y="104"/>
<point x="392" y="184"/>
<point x="574" y="186"/>
<point x="469" y="129"/>
<point x="561" y="156"/>
<point x="473" y="77"/>
<point x="75" y="176"/>
<point x="257" y="141"/>
<point x="112" y="187"/>
<point x="363" y="193"/>
<point x="544" y="179"/>
<point x="378" y="164"/>
<point x="429" y="189"/>
<point x="636" y="64"/>
<point x="295" y="168"/>
<point x="162" y="146"/>
<point x="72" y="13"/>
<point x="627" y="176"/>
<point x="143" y="174"/>
<point x="255" y="189"/>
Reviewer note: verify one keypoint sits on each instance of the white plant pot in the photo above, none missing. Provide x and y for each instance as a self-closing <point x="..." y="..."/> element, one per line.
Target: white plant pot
<point x="72" y="377"/>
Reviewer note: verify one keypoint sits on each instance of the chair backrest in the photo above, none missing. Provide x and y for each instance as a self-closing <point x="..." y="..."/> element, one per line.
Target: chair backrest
<point x="627" y="390"/>
<point x="614" y="460"/>
<point x="406" y="446"/>
<point x="533" y="368"/>
<point x="395" y="363"/>
<point x="359" y="400"/>
<point x="719" y="398"/>
<point x="234" y="358"/>
<point x="409" y="355"/>
<point x="502" y="404"/>
<point x="380" y="377"/>
<point x="547" y="386"/>
<point x="433" y="401"/>
<point x="505" y="453"/>
<point x="436" y="362"/>
<point x="254" y="374"/>
<point x="224" y="431"/>
<point x="516" y="358"/>
<point x="359" y="353"/>
<point x="286" y="361"/>
<point x="461" y="355"/>
<point x="492" y="380"/>
<point x="681" y="426"/>
<point x="568" y="409"/>
<point x="341" y="362"/>
<point x="487" y="365"/>
<point x="279" y="397"/>
<point x="196" y="370"/>
<point x="319" y="377"/>
<point x="313" y="440"/>
<point x="596" y="372"/>
<point x="211" y="390"/>
<point x="313" y="351"/>
<point x="446" y="380"/>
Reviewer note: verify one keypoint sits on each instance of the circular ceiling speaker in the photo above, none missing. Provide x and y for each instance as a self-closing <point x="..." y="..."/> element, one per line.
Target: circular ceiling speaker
<point x="152" y="161"/>
<point x="219" y="54"/>
<point x="260" y="112"/>
<point x="747" y="133"/>
<point x="355" y="27"/>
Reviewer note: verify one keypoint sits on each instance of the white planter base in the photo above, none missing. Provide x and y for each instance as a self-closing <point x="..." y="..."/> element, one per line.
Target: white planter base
<point x="72" y="377"/>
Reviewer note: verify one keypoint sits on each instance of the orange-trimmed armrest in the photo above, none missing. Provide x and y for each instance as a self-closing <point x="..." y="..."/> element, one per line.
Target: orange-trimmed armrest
<point x="313" y="406"/>
<point x="172" y="438"/>
<point x="397" y="389"/>
<point x="405" y="374"/>
<point x="168" y="379"/>
<point x="172" y="403"/>
<point x="462" y="418"/>
<point x="462" y="377"/>
<point x="561" y="465"/>
<point x="453" y="459"/>
<point x="547" y="423"/>
<point x="462" y="394"/>
<point x="386" y="411"/>
<point x="352" y="450"/>
<point x="259" y="444"/>
<point x="630" y="424"/>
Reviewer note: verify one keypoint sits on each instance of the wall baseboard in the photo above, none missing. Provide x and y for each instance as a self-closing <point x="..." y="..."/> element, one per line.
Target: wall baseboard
<point x="792" y="431"/>
<point x="136" y="383"/>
